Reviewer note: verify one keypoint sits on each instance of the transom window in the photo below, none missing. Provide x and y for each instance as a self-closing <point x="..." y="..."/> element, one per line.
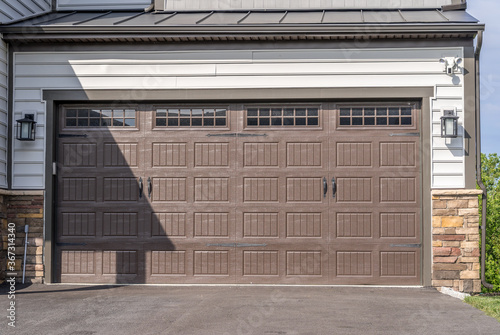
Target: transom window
<point x="191" y="117"/>
<point x="100" y="117"/>
<point x="282" y="117"/>
<point x="376" y="116"/>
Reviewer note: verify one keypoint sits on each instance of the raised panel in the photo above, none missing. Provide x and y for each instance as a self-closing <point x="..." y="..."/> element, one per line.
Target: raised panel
<point x="169" y="189"/>
<point x="303" y="225"/>
<point x="304" y="154"/>
<point x="120" y="154"/>
<point x="260" y="225"/>
<point x="260" y="154"/>
<point x="304" y="190"/>
<point x="77" y="262"/>
<point x="354" y="154"/>
<point x="169" y="154"/>
<point x="211" y="154"/>
<point x="211" y="189"/>
<point x="354" y="263"/>
<point x="303" y="263"/>
<point x="211" y="263"/>
<point x="120" y="224"/>
<point x="398" y="154"/>
<point x="260" y="189"/>
<point x="119" y="262"/>
<point x="168" y="224"/>
<point x="211" y="224"/>
<point x="121" y="189"/>
<point x="397" y="189"/>
<point x="354" y="225"/>
<point x="398" y="225"/>
<point x="78" y="224"/>
<point x="354" y="189"/>
<point x="260" y="263"/>
<point x="398" y="264"/>
<point x="168" y="262"/>
<point x="79" y="189"/>
<point x="79" y="154"/>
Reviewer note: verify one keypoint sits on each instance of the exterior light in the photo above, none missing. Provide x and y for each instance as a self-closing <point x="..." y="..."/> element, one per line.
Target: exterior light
<point x="26" y="128"/>
<point x="449" y="124"/>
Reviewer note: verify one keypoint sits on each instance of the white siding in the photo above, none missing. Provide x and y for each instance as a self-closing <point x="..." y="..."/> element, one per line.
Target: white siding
<point x="102" y="4"/>
<point x="234" y="69"/>
<point x="296" y="4"/>
<point x="13" y="10"/>
<point x="3" y="111"/>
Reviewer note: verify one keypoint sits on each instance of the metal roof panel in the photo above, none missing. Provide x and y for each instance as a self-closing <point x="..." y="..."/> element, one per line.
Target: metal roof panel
<point x="303" y="17"/>
<point x="343" y="17"/>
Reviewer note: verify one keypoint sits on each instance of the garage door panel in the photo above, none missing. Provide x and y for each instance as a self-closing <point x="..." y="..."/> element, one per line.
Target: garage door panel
<point x="122" y="154"/>
<point x="169" y="189"/>
<point x="305" y="154"/>
<point x="121" y="189"/>
<point x="354" y="189"/>
<point x="78" y="224"/>
<point x="79" y="155"/>
<point x="79" y="189"/>
<point x="354" y="154"/>
<point x="304" y="189"/>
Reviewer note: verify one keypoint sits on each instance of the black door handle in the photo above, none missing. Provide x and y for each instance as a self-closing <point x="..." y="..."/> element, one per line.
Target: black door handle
<point x="325" y="187"/>
<point x="150" y="187"/>
<point x="334" y="187"/>
<point x="141" y="187"/>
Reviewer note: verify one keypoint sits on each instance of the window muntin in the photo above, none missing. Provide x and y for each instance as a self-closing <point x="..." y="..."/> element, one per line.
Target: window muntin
<point x="282" y="117"/>
<point x="381" y="116"/>
<point x="191" y="117"/>
<point x="100" y="117"/>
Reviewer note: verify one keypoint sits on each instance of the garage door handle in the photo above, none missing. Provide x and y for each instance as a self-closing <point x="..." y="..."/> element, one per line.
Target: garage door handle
<point x="325" y="187"/>
<point x="150" y="187"/>
<point x="141" y="187"/>
<point x="334" y="187"/>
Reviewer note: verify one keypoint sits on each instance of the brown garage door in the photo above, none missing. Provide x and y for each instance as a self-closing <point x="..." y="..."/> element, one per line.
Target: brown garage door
<point x="291" y="194"/>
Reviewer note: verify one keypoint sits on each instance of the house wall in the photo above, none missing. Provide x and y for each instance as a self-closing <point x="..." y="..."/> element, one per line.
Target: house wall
<point x="3" y="112"/>
<point x="298" y="68"/>
<point x="297" y="4"/>
<point x="13" y="10"/>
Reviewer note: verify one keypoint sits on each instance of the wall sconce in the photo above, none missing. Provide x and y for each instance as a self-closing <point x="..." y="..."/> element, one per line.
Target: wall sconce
<point x="26" y="128"/>
<point x="449" y="124"/>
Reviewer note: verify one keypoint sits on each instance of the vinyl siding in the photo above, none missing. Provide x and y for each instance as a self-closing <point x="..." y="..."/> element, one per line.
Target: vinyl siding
<point x="236" y="69"/>
<point x="295" y="4"/>
<point x="13" y="10"/>
<point x="102" y="4"/>
<point x="3" y="112"/>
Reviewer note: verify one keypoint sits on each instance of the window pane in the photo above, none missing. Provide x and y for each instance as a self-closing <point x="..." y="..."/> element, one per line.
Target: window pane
<point x="312" y="112"/>
<point x="220" y="112"/>
<point x="394" y="121"/>
<point x="369" y="111"/>
<point x="381" y="121"/>
<point x="345" y="112"/>
<point x="162" y="122"/>
<point x="106" y="122"/>
<point x="393" y="111"/>
<point x="162" y="112"/>
<point x="276" y="112"/>
<point x="312" y="121"/>
<point x="300" y="121"/>
<point x="276" y="121"/>
<point x="83" y="122"/>
<point x="300" y="112"/>
<point x="369" y="121"/>
<point x="345" y="121"/>
<point x="107" y="113"/>
<point x="172" y="122"/>
<point x="357" y="111"/>
<point x="288" y="112"/>
<point x="208" y="122"/>
<point x="71" y="113"/>
<point x="197" y="112"/>
<point x="130" y="122"/>
<point x="130" y="113"/>
<point x="264" y="112"/>
<point x="117" y="122"/>
<point x="118" y="113"/>
<point x="83" y="113"/>
<point x="220" y="122"/>
<point x="94" y="122"/>
<point x="252" y="121"/>
<point x="185" y="112"/>
<point x="196" y="122"/>
<point x="252" y="112"/>
<point x="264" y="122"/>
<point x="288" y="121"/>
<point x="70" y="122"/>
<point x="405" y="111"/>
<point x="406" y="121"/>
<point x="381" y="111"/>
<point x="357" y="121"/>
<point x="185" y="122"/>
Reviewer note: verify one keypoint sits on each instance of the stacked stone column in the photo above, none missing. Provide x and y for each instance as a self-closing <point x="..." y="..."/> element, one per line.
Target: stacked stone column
<point x="455" y="240"/>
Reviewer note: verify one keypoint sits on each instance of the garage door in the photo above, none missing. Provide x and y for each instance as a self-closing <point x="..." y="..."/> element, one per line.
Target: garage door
<point x="221" y="194"/>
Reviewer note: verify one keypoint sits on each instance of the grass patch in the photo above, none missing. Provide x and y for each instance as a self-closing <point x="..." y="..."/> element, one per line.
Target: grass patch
<point x="489" y="305"/>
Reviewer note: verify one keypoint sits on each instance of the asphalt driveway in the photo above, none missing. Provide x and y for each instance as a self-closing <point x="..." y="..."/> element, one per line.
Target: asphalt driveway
<point x="143" y="310"/>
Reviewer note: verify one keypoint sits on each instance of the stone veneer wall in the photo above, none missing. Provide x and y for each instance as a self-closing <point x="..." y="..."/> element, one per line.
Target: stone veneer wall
<point x="23" y="208"/>
<point x="455" y="240"/>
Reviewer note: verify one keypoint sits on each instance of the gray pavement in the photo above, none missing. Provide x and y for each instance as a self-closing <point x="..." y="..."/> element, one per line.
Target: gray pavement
<point x="89" y="310"/>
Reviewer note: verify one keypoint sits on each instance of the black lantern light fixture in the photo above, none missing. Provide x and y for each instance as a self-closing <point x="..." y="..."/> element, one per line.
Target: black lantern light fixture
<point x="449" y="124"/>
<point x="26" y="128"/>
